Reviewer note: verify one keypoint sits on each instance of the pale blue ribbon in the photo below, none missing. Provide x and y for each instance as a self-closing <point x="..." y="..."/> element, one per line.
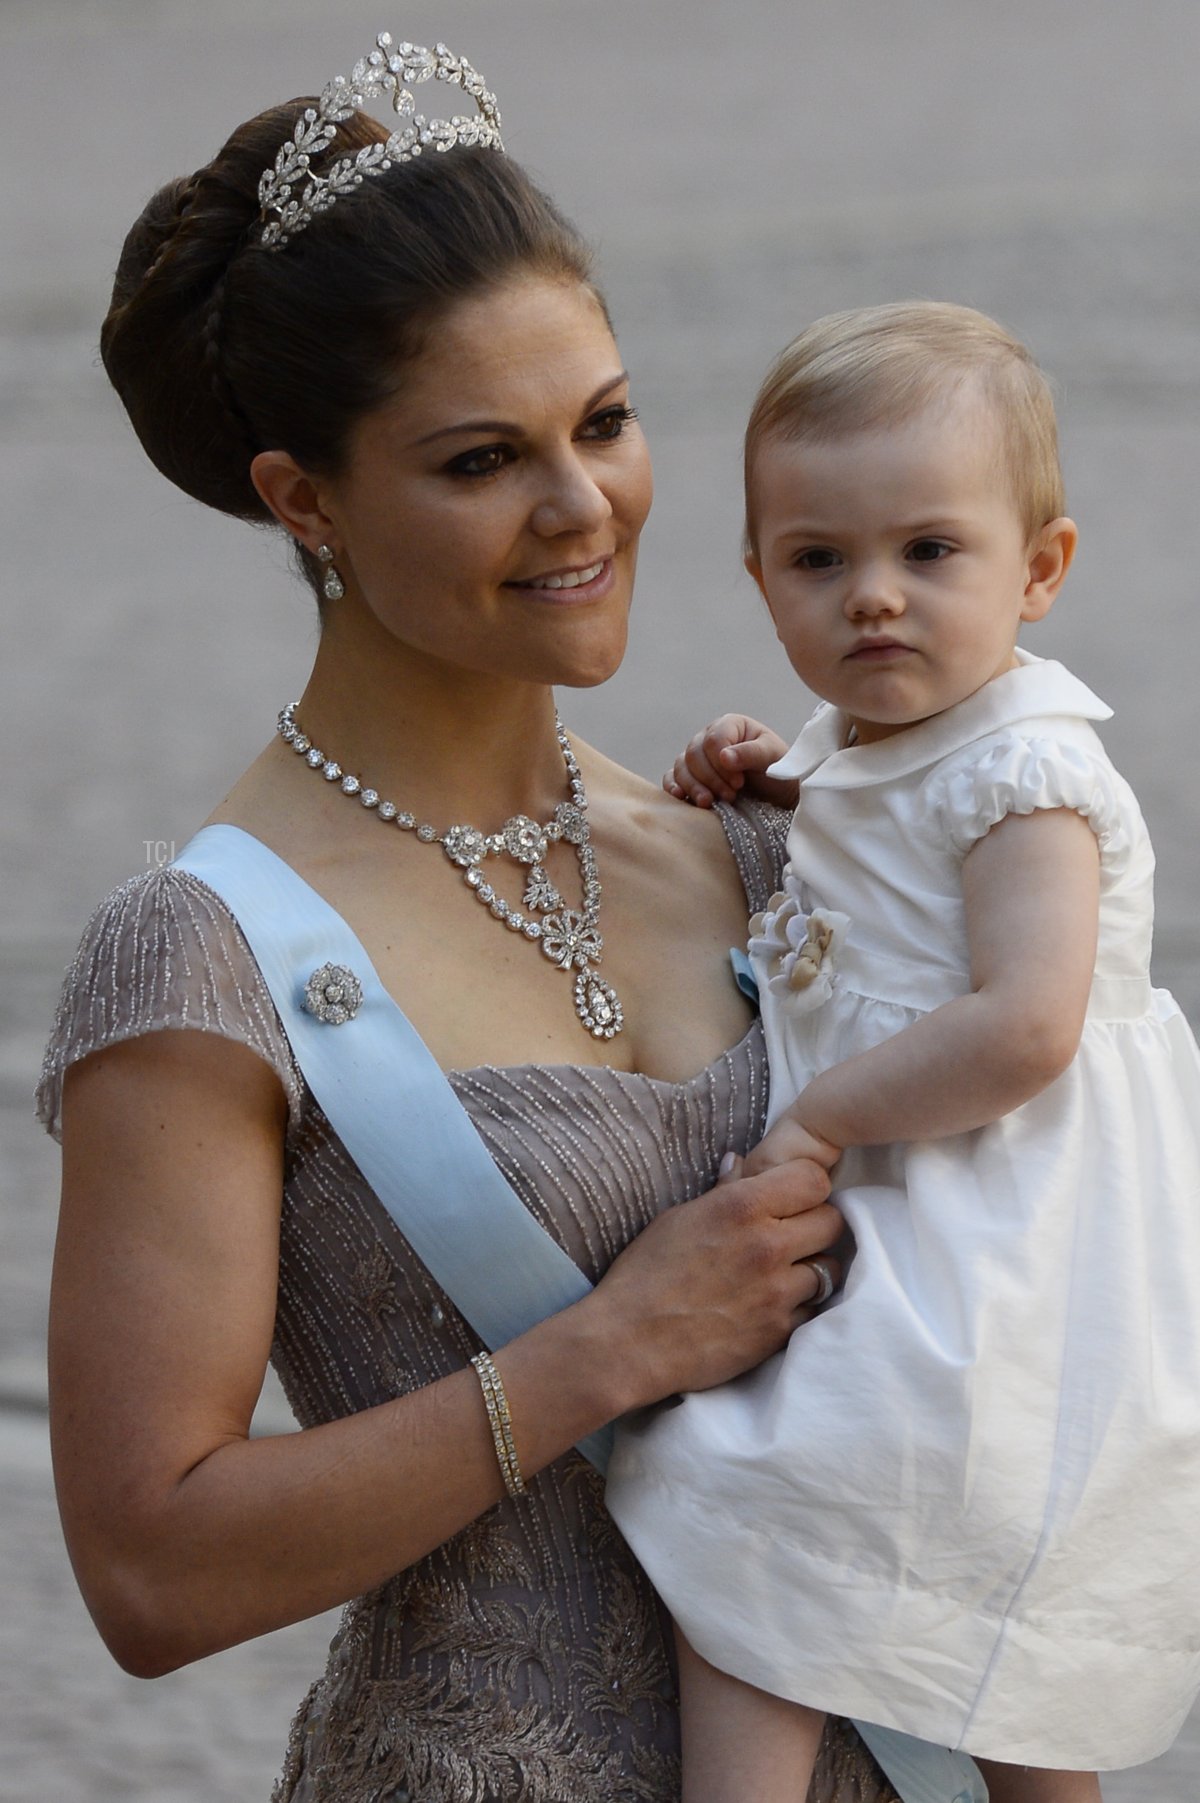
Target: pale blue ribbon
<point x="391" y="1106"/>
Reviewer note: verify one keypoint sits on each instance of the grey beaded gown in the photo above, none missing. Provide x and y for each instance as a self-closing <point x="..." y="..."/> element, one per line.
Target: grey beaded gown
<point x="526" y="1660"/>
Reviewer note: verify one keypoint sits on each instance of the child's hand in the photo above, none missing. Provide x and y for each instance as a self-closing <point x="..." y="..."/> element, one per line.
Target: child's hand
<point x="729" y="756"/>
<point x="786" y="1141"/>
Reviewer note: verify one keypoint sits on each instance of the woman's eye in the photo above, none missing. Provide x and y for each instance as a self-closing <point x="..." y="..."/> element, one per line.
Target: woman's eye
<point x="610" y="423"/>
<point x="928" y="550"/>
<point x="817" y="557"/>
<point x="485" y="461"/>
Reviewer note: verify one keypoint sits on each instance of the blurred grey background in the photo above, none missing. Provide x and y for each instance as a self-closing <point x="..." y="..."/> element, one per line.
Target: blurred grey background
<point x="741" y="169"/>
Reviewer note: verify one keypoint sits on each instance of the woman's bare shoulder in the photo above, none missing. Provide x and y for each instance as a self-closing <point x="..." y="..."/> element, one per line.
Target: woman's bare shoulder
<point x="625" y="802"/>
<point x="636" y="814"/>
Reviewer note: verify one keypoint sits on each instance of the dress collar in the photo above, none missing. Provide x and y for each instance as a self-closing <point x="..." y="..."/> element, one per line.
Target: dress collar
<point x="1036" y="688"/>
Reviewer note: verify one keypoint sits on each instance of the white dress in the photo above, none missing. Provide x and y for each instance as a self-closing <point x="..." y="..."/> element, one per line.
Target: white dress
<point x="965" y="1500"/>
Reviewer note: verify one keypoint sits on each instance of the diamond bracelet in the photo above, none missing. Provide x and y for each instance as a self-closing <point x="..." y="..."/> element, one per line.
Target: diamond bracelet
<point x="500" y="1422"/>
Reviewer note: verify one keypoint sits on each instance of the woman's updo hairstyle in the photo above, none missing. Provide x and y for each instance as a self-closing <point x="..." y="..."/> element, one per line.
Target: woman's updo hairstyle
<point x="220" y="348"/>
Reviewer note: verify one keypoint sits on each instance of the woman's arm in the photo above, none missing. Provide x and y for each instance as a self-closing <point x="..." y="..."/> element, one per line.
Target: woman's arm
<point x="186" y="1535"/>
<point x="1031" y="889"/>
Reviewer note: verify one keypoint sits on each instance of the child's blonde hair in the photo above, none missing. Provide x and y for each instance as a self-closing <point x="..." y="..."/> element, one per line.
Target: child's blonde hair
<point x="878" y="366"/>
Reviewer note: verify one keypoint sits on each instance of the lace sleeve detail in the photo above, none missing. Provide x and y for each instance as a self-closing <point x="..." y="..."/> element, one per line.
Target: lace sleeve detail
<point x="757" y="833"/>
<point x="163" y="952"/>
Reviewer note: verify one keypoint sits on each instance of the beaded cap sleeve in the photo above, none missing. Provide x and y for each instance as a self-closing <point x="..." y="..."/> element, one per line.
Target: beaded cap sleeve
<point x="163" y="952"/>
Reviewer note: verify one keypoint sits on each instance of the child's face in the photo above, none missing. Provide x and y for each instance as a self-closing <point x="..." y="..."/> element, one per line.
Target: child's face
<point x="895" y="563"/>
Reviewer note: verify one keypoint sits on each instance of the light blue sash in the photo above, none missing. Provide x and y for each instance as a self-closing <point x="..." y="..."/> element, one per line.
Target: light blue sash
<point x="389" y="1103"/>
<point x="391" y="1106"/>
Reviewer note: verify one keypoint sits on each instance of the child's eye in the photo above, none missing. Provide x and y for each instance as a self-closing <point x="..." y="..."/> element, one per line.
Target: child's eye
<point x="816" y="557"/>
<point x="928" y="550"/>
<point x="609" y="423"/>
<point x="484" y="460"/>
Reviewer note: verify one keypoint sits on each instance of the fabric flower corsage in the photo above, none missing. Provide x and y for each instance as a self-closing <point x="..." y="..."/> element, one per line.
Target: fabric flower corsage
<point x="799" y="950"/>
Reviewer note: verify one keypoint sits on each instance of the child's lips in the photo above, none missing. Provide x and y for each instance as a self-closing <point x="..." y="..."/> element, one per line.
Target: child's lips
<point x="879" y="651"/>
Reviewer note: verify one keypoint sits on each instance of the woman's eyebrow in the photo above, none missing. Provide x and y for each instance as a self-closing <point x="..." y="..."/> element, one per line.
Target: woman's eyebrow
<point x="506" y="428"/>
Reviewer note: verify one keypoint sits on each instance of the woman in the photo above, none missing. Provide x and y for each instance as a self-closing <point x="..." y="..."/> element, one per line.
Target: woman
<point x="412" y="374"/>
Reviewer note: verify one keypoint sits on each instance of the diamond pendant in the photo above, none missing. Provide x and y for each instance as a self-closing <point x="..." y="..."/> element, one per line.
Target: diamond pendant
<point x="598" y="1005"/>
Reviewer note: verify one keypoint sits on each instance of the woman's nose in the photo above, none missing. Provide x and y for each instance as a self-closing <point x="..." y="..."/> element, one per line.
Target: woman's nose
<point x="572" y="502"/>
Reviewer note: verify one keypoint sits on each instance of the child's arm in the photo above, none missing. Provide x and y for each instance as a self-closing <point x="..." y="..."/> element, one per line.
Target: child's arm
<point x="1031" y="888"/>
<point x="727" y="758"/>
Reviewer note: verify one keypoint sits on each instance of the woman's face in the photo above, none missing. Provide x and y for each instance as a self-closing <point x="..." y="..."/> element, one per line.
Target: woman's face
<point x="488" y="515"/>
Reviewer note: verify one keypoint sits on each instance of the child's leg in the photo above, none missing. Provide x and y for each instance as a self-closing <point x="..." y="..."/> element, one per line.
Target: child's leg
<point x="739" y="1742"/>
<point x="1033" y="1784"/>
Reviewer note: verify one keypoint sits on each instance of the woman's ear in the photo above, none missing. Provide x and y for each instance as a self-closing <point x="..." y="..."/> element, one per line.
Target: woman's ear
<point x="292" y="496"/>
<point x="1050" y="555"/>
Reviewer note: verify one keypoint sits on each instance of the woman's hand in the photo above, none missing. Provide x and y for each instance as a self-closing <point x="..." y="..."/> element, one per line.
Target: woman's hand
<point x="714" y="1286"/>
<point x="727" y="758"/>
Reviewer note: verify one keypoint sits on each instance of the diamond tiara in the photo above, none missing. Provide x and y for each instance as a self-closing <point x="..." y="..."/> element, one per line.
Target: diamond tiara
<point x="385" y="71"/>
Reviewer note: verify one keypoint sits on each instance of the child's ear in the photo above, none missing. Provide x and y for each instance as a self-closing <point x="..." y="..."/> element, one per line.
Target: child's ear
<point x="754" y="570"/>
<point x="1050" y="554"/>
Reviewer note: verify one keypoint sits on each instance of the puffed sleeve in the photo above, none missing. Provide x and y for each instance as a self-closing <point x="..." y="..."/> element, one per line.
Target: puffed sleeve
<point x="1014" y="773"/>
<point x="163" y="952"/>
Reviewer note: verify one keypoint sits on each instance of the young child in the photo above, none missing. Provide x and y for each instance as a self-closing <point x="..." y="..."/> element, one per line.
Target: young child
<point x="964" y="1501"/>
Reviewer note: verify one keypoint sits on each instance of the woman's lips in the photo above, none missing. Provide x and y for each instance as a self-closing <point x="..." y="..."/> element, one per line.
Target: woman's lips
<point x="585" y="582"/>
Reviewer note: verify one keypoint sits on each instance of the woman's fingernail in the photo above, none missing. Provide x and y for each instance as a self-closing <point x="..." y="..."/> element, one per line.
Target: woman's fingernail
<point x="727" y="1164"/>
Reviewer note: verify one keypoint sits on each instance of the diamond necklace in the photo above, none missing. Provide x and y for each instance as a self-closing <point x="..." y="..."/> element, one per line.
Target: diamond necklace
<point x="569" y="937"/>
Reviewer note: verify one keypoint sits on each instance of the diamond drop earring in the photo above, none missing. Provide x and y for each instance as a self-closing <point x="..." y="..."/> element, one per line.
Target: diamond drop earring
<point x="332" y="586"/>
